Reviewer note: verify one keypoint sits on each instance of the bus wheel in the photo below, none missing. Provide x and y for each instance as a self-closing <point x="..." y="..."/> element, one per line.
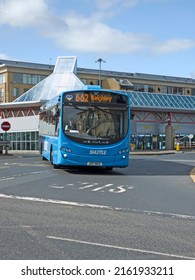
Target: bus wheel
<point x="55" y="166"/>
<point x="109" y="168"/>
<point x="41" y="152"/>
<point x="51" y="156"/>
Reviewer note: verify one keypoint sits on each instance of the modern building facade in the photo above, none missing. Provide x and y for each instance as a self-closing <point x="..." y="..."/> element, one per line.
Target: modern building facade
<point x="157" y="101"/>
<point x="17" y="77"/>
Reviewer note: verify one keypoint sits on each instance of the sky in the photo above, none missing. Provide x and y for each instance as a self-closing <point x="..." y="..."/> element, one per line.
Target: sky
<point x="135" y="36"/>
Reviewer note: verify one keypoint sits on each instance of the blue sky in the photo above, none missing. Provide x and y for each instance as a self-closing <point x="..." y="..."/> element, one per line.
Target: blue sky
<point x="143" y="36"/>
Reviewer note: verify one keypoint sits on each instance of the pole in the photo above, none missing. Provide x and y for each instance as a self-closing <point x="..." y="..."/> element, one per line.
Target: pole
<point x="5" y="141"/>
<point x="100" y="60"/>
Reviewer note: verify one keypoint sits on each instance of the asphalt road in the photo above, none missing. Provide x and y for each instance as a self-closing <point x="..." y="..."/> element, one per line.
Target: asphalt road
<point x="145" y="211"/>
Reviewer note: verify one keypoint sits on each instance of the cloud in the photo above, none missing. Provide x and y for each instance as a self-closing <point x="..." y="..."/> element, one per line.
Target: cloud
<point x="3" y="56"/>
<point x="115" y="4"/>
<point x="173" y="46"/>
<point x="121" y="4"/>
<point x="22" y="13"/>
<point x="192" y="75"/>
<point x="72" y="31"/>
<point x="89" y="35"/>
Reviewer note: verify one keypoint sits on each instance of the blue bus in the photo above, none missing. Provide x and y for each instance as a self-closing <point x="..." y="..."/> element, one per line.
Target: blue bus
<point x="88" y="127"/>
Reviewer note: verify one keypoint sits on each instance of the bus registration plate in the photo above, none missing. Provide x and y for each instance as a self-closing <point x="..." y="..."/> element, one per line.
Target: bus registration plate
<point x="93" y="163"/>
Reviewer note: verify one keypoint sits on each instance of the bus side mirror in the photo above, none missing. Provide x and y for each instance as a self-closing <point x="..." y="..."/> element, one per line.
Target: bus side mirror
<point x="132" y="116"/>
<point x="55" y="112"/>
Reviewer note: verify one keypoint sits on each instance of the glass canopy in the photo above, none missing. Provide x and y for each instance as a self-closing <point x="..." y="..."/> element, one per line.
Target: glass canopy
<point x="162" y="101"/>
<point x="63" y="78"/>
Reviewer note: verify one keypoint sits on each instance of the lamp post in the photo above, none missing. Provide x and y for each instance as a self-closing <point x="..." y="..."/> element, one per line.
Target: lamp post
<point x="100" y="60"/>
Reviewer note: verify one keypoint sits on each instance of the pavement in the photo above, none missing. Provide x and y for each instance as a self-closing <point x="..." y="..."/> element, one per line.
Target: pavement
<point x="136" y="152"/>
<point x="18" y="154"/>
<point x="155" y="152"/>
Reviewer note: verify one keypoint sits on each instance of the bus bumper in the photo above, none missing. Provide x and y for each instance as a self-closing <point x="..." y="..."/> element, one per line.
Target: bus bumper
<point x="99" y="161"/>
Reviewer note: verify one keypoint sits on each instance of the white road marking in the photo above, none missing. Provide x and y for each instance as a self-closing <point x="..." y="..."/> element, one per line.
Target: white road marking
<point x="116" y="189"/>
<point x="102" y="187"/>
<point x="177" y="160"/>
<point x="56" y="187"/>
<point x="3" y="167"/>
<point x="79" y="204"/>
<point x="6" y="179"/>
<point x="20" y="175"/>
<point x="67" y="203"/>
<point x="119" y="189"/>
<point x="87" y="186"/>
<point x="119" y="247"/>
<point x="25" y="164"/>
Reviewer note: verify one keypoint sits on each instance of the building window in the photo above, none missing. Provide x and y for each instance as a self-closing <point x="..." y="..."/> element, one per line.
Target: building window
<point x="173" y="90"/>
<point x="138" y="87"/>
<point x="30" y="79"/>
<point x="17" y="78"/>
<point x="2" y="79"/>
<point x="144" y="88"/>
<point x="193" y="91"/>
<point x="26" y="79"/>
<point x="151" y="88"/>
<point x="1" y="93"/>
<point x="178" y="90"/>
<point x="84" y="81"/>
<point x="96" y="82"/>
<point x="22" y="140"/>
<point x="167" y="89"/>
<point x="16" y="92"/>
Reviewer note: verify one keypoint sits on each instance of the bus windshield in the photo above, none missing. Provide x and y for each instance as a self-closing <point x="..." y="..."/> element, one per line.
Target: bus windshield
<point x="95" y="122"/>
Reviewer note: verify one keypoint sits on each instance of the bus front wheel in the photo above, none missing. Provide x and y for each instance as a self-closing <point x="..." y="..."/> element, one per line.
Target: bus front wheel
<point x="51" y="159"/>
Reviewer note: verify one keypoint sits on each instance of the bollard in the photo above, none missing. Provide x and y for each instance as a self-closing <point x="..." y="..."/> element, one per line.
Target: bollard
<point x="177" y="147"/>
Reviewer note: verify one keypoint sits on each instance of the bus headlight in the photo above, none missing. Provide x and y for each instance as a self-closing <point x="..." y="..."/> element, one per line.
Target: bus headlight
<point x="67" y="150"/>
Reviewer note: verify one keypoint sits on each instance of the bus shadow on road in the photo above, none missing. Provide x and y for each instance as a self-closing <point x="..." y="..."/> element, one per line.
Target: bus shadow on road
<point x="137" y="167"/>
<point x="92" y="171"/>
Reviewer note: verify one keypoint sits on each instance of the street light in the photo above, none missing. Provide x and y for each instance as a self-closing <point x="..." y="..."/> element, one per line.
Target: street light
<point x="100" y="60"/>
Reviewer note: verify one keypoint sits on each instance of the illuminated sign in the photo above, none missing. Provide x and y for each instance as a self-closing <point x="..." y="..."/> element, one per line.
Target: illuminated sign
<point x="90" y="97"/>
<point x="95" y="97"/>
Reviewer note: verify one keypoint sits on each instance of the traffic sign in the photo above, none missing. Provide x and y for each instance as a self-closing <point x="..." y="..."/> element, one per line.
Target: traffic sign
<point x="5" y="126"/>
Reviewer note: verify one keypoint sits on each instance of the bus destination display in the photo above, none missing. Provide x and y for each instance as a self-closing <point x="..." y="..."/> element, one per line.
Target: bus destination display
<point x="94" y="97"/>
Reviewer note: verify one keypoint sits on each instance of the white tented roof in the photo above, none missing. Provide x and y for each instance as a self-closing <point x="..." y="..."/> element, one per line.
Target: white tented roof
<point x="62" y="79"/>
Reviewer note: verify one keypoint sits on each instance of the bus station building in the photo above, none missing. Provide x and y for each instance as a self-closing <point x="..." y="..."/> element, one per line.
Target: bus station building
<point x="162" y="107"/>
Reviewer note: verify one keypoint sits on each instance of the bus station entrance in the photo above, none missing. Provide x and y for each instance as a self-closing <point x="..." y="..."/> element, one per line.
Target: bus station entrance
<point x="162" y="121"/>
